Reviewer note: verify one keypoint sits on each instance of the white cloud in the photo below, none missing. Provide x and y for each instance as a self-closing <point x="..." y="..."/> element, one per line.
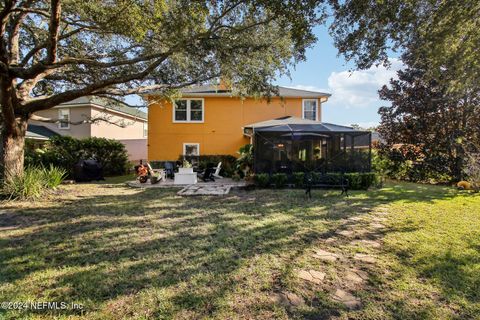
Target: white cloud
<point x="359" y="89"/>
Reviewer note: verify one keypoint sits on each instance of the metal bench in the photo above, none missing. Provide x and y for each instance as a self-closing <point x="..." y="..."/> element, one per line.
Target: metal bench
<point x="323" y="183"/>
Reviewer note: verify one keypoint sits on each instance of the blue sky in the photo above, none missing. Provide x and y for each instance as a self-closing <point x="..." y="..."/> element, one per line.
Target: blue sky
<point x="354" y="94"/>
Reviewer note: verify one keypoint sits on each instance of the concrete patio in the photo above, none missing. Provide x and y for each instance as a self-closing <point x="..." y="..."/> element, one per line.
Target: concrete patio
<point x="225" y="182"/>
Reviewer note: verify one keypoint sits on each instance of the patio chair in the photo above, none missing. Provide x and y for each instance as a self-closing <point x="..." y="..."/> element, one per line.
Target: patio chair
<point x="207" y="175"/>
<point x="169" y="170"/>
<point x="216" y="174"/>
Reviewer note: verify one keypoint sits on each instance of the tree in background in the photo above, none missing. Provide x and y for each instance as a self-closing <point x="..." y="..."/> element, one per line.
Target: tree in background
<point x="444" y="34"/>
<point x="56" y="51"/>
<point x="428" y="127"/>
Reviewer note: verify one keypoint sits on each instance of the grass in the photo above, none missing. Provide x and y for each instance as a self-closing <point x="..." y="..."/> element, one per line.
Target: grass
<point x="138" y="254"/>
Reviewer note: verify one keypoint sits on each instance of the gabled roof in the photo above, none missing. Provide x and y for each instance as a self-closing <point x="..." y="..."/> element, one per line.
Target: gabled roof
<point x="295" y="124"/>
<point x="217" y="91"/>
<point x="39" y="132"/>
<point x="108" y="104"/>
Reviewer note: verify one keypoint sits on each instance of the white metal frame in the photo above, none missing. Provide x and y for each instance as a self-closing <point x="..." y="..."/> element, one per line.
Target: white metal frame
<point x="191" y="144"/>
<point x="60" y="117"/>
<point x="316" y="108"/>
<point x="189" y="100"/>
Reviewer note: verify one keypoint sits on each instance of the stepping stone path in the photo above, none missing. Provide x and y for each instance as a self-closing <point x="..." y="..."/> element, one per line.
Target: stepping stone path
<point x="349" y="300"/>
<point x="312" y="276"/>
<point x="364" y="258"/>
<point x="287" y="299"/>
<point x="213" y="190"/>
<point x="325" y="255"/>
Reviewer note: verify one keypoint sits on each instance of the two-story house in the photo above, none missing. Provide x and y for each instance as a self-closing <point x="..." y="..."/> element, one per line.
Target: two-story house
<point x="287" y="131"/>
<point x="113" y="121"/>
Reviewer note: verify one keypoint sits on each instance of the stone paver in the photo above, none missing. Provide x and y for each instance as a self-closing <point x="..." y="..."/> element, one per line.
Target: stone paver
<point x="312" y="276"/>
<point x="356" y="276"/>
<point x="213" y="190"/>
<point x="287" y="299"/>
<point x="366" y="243"/>
<point x="349" y="300"/>
<point x="376" y="225"/>
<point x="346" y="233"/>
<point x="364" y="258"/>
<point x="331" y="239"/>
<point x="325" y="255"/>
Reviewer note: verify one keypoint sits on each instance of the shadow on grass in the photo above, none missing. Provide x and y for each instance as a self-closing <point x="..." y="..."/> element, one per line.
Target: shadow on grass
<point x="118" y="245"/>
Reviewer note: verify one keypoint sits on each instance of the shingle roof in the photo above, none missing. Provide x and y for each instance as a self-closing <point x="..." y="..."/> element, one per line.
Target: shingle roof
<point x="295" y="124"/>
<point x="109" y="104"/>
<point x="205" y="91"/>
<point x="39" y="132"/>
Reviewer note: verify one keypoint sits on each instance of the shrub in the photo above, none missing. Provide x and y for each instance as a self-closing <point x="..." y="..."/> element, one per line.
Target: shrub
<point x="262" y="180"/>
<point x="299" y="179"/>
<point x="53" y="176"/>
<point x="64" y="152"/>
<point x="33" y="183"/>
<point x="244" y="163"/>
<point x="279" y="180"/>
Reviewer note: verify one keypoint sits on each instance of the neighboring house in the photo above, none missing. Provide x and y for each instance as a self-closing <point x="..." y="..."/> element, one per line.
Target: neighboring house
<point x="116" y="121"/>
<point x="208" y="120"/>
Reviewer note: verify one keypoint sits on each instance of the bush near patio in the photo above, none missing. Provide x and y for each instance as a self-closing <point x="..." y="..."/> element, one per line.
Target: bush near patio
<point x="356" y="180"/>
<point x="64" y="152"/>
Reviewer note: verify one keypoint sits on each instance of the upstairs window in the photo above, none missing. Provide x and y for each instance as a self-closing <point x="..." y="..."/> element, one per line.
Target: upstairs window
<point x="64" y="118"/>
<point x="188" y="110"/>
<point x="310" y="109"/>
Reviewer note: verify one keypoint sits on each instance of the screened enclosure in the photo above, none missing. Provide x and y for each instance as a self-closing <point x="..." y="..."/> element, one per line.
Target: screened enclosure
<point x="291" y="144"/>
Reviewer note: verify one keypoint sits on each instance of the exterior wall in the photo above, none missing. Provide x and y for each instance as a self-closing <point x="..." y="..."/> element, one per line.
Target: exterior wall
<point x="136" y="148"/>
<point x="102" y="129"/>
<point x="76" y="114"/>
<point x="221" y="132"/>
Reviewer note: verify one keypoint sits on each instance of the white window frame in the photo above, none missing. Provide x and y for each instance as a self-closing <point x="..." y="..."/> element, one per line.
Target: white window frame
<point x="191" y="144"/>
<point x="316" y="108"/>
<point x="60" y="117"/>
<point x="189" y="100"/>
<point x="145" y="129"/>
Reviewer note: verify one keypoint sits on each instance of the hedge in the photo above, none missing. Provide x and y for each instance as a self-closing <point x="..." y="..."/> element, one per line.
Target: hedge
<point x="64" y="152"/>
<point x="356" y="180"/>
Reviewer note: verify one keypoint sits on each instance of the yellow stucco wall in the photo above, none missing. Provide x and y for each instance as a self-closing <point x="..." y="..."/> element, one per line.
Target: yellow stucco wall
<point x="221" y="132"/>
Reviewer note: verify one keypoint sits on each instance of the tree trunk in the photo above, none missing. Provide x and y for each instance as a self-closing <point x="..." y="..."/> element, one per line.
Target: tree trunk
<point x="12" y="148"/>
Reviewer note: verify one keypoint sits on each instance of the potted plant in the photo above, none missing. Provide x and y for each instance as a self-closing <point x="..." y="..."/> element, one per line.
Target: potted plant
<point x="186" y="167"/>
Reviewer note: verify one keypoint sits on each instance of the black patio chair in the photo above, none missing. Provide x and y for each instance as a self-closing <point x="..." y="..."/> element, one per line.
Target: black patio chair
<point x="207" y="175"/>
<point x="169" y="170"/>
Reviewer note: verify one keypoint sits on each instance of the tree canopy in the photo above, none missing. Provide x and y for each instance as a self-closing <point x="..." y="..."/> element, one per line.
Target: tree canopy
<point x="443" y="33"/>
<point x="58" y="50"/>
<point x="430" y="126"/>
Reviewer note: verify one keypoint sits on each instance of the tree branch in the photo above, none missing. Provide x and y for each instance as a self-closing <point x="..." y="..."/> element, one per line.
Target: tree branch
<point x="53" y="31"/>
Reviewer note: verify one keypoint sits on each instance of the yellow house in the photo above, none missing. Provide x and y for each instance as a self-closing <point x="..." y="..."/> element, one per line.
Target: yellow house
<point x="207" y="120"/>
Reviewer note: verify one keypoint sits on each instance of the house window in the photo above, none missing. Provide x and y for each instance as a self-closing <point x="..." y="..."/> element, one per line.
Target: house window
<point x="191" y="149"/>
<point x="188" y="110"/>
<point x="310" y="109"/>
<point x="64" y="118"/>
<point x="145" y="129"/>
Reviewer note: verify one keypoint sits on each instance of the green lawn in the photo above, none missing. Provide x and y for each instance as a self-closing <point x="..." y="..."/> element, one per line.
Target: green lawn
<point x="139" y="254"/>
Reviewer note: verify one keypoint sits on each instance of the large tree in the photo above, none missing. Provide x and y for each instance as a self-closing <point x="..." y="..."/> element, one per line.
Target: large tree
<point x="445" y="34"/>
<point x="55" y="51"/>
<point x="431" y="125"/>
